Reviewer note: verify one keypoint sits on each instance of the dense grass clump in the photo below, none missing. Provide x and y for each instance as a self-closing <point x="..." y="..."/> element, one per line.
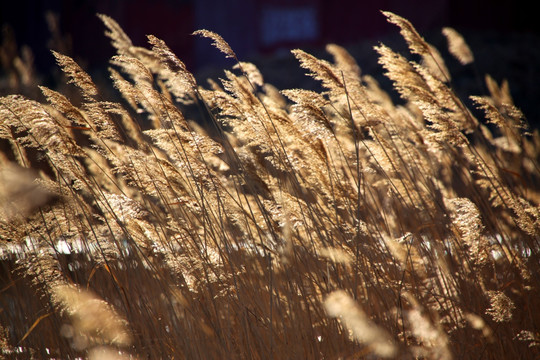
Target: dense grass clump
<point x="296" y="225"/>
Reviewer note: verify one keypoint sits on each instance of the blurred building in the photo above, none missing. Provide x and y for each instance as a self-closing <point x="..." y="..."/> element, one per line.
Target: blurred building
<point x="269" y="26"/>
<point x="250" y="26"/>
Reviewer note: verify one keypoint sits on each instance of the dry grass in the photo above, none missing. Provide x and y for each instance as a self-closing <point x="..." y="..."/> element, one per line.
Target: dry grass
<point x="332" y="225"/>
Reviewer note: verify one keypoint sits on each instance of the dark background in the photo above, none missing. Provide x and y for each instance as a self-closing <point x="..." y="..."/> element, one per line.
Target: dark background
<point x="504" y="35"/>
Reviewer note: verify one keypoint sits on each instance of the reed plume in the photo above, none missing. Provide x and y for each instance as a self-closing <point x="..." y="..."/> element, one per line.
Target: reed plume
<point x="297" y="224"/>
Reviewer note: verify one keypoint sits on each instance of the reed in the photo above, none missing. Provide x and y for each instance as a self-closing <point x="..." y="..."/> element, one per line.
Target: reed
<point x="297" y="224"/>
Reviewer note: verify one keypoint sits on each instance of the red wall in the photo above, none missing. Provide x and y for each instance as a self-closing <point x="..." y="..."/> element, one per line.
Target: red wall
<point x="242" y="22"/>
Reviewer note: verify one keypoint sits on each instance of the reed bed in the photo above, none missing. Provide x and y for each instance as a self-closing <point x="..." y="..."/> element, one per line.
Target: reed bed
<point x="285" y="224"/>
